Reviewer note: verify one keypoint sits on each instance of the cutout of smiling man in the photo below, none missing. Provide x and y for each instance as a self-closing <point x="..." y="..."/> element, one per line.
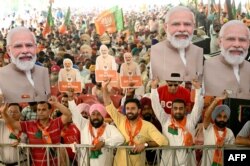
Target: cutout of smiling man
<point x="177" y="54"/>
<point x="22" y="80"/>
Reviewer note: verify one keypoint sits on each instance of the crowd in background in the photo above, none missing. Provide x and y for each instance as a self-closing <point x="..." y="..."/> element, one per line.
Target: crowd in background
<point x="81" y="44"/>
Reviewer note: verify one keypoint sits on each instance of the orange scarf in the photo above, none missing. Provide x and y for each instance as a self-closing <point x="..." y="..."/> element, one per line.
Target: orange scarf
<point x="217" y="159"/>
<point x="129" y="130"/>
<point x="45" y="134"/>
<point x="13" y="134"/>
<point x="173" y="128"/>
<point x="100" y="132"/>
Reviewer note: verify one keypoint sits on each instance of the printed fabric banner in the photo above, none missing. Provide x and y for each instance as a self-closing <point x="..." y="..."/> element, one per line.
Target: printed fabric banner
<point x="110" y="20"/>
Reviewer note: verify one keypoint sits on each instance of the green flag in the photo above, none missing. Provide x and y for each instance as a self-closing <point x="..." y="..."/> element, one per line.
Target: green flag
<point x="50" y="18"/>
<point x="118" y="17"/>
<point x="239" y="8"/>
<point x="67" y="18"/>
<point x="234" y="9"/>
<point x="49" y="22"/>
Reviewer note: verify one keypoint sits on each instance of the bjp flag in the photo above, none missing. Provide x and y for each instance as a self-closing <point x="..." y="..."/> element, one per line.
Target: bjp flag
<point x="110" y="20"/>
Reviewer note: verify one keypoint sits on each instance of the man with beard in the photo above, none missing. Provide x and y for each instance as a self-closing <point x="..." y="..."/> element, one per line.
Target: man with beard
<point x="105" y="61"/>
<point x="138" y="133"/>
<point x="129" y="67"/>
<point x="229" y="71"/>
<point x="68" y="73"/>
<point x="177" y="126"/>
<point x="177" y="53"/>
<point x="54" y="80"/>
<point x="22" y="80"/>
<point x="95" y="132"/>
<point x="85" y="53"/>
<point x="148" y="115"/>
<point x="217" y="133"/>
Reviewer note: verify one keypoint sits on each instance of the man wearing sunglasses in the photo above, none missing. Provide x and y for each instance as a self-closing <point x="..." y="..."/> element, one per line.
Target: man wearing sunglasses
<point x="179" y="127"/>
<point x="172" y="91"/>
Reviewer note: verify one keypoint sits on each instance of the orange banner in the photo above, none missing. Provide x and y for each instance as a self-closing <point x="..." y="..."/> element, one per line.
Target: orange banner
<point x="105" y="22"/>
<point x="102" y="75"/>
<point x="130" y="81"/>
<point x="63" y="86"/>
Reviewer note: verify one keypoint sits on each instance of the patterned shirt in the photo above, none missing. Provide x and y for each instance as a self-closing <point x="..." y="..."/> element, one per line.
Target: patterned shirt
<point x="35" y="137"/>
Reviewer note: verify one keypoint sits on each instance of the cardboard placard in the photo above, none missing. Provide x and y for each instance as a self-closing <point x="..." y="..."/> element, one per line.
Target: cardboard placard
<point x="130" y="81"/>
<point x="102" y="75"/>
<point x="63" y="86"/>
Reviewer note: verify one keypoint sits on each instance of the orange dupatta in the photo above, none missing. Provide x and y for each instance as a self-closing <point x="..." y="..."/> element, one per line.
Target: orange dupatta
<point x="129" y="130"/>
<point x="188" y="138"/>
<point x="100" y="132"/>
<point x="13" y="134"/>
<point x="45" y="134"/>
<point x="217" y="159"/>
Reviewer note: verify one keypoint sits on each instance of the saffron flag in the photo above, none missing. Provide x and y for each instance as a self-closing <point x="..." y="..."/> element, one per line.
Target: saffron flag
<point x="110" y="20"/>
<point x="49" y="22"/>
<point x="63" y="28"/>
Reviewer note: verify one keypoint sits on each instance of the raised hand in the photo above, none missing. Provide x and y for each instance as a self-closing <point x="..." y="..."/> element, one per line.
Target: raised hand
<point x="154" y="83"/>
<point x="223" y="97"/>
<point x="70" y="93"/>
<point x="196" y="84"/>
<point x="4" y="108"/>
<point x="106" y="82"/>
<point x="53" y="100"/>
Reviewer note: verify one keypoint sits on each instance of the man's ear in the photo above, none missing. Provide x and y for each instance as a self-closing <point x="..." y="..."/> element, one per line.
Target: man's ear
<point x="8" y="50"/>
<point x="219" y="41"/>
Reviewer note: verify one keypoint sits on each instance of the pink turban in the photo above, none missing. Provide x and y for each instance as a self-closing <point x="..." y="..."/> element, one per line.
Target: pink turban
<point x="98" y="107"/>
<point x="83" y="107"/>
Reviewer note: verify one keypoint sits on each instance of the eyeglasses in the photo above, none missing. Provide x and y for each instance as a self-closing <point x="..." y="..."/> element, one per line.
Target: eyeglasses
<point x="173" y="85"/>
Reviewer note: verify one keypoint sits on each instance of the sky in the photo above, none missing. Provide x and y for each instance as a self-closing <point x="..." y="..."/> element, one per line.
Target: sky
<point x="22" y="5"/>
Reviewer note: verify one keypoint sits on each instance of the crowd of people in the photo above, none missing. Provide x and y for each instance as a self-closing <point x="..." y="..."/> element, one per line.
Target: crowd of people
<point x="162" y="112"/>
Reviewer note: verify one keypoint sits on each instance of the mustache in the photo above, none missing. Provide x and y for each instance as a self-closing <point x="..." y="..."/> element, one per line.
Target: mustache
<point x="22" y="56"/>
<point x="236" y="49"/>
<point x="180" y="33"/>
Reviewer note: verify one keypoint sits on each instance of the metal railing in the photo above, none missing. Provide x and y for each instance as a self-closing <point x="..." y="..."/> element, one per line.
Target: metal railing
<point x="83" y="152"/>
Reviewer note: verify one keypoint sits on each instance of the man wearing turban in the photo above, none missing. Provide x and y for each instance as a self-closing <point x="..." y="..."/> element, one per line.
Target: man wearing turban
<point x="95" y="132"/>
<point x="216" y="133"/>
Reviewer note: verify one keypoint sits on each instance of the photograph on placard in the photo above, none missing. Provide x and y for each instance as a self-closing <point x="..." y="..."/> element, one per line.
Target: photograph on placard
<point x="130" y="74"/>
<point x="22" y="80"/>
<point x="106" y="66"/>
<point x="69" y="77"/>
<point x="177" y="53"/>
<point x="229" y="71"/>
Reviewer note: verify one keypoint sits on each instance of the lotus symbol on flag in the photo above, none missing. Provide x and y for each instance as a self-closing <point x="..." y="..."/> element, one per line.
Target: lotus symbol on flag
<point x="107" y="21"/>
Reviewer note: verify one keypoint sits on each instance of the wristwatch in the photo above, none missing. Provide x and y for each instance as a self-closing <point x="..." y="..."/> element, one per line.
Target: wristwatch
<point x="145" y="144"/>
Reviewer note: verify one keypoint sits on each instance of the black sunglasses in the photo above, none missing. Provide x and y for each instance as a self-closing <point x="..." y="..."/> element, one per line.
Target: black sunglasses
<point x="173" y="85"/>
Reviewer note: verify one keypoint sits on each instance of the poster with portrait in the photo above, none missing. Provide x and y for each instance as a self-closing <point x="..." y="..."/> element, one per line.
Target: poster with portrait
<point x="166" y="60"/>
<point x="105" y="66"/>
<point x="130" y="74"/>
<point x="69" y="77"/>
<point x="219" y="76"/>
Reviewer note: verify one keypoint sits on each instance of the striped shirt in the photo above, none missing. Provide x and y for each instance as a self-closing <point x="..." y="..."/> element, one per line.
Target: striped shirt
<point x="39" y="156"/>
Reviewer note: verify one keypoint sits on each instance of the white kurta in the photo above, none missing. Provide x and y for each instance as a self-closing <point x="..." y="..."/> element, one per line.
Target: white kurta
<point x="210" y="139"/>
<point x="9" y="154"/>
<point x="181" y="158"/>
<point x="111" y="136"/>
